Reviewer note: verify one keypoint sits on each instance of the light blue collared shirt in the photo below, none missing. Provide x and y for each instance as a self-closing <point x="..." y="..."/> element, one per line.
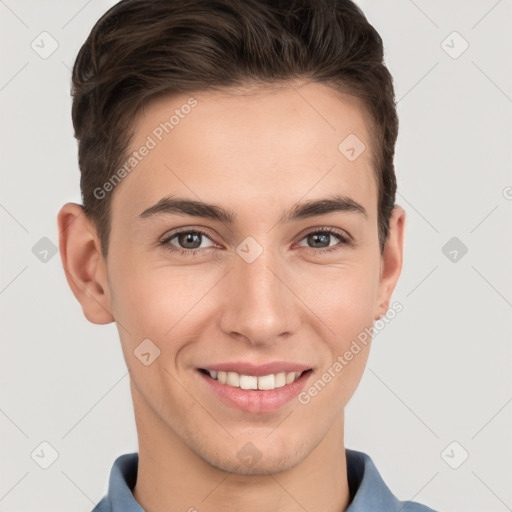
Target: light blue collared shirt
<point x="368" y="491"/>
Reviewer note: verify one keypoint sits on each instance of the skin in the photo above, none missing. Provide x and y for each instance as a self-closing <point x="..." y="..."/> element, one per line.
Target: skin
<point x="256" y="154"/>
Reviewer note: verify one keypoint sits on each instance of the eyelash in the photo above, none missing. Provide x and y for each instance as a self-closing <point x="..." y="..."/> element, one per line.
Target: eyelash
<point x="344" y="241"/>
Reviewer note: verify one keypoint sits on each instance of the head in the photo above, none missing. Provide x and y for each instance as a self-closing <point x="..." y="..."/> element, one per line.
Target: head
<point x="281" y="117"/>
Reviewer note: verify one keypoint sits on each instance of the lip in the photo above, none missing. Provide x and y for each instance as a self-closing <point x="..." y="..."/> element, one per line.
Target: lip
<point x="258" y="370"/>
<point x="255" y="400"/>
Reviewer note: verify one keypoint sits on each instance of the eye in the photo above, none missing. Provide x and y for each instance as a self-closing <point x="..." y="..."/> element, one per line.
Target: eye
<point x="189" y="241"/>
<point x="324" y="236"/>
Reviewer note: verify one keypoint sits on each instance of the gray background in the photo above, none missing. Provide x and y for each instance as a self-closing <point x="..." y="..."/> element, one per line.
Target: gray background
<point x="439" y="373"/>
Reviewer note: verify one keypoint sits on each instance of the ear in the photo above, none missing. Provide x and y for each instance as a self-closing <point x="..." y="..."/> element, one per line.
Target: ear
<point x="391" y="260"/>
<point x="85" y="268"/>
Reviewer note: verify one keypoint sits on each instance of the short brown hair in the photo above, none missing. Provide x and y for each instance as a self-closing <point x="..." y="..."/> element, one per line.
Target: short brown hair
<point x="140" y="49"/>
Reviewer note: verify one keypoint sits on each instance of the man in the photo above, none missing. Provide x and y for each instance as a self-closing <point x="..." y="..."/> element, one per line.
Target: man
<point x="239" y="225"/>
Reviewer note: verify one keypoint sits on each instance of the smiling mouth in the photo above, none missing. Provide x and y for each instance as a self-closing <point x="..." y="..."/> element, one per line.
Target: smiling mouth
<point x="262" y="382"/>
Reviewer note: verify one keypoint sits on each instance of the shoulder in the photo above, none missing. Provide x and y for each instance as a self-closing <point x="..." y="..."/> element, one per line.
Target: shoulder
<point x="123" y="476"/>
<point x="103" y="506"/>
<point x="369" y="491"/>
<point x="412" y="506"/>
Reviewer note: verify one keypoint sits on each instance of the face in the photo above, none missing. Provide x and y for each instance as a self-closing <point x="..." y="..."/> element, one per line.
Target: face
<point x="268" y="287"/>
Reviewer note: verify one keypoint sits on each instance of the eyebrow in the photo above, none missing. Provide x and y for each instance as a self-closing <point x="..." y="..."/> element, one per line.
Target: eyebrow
<point x="179" y="206"/>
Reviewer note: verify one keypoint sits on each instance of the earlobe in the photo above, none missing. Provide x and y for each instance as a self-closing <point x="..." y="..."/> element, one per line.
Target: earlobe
<point x="83" y="264"/>
<point x="391" y="260"/>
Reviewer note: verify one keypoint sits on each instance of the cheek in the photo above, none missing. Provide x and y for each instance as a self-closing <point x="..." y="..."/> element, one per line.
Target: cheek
<point x="152" y="303"/>
<point x="345" y="305"/>
<point x="167" y="305"/>
<point x="342" y="295"/>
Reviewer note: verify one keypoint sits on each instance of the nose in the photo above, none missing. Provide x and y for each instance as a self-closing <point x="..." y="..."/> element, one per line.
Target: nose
<point x="259" y="303"/>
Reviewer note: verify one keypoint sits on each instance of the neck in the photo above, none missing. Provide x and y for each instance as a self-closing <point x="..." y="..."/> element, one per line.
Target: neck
<point x="173" y="478"/>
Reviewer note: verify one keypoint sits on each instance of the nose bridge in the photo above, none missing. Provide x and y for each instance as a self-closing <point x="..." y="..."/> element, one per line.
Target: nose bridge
<point x="260" y="305"/>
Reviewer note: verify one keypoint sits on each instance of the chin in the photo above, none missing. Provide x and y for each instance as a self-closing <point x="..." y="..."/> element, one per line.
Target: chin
<point x="256" y="458"/>
<point x="267" y="465"/>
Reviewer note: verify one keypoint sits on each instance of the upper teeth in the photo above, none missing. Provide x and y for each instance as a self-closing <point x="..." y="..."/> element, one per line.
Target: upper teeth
<point x="267" y="382"/>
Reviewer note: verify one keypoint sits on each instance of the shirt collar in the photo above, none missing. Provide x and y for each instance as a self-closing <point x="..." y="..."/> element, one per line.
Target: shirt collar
<point x="368" y="490"/>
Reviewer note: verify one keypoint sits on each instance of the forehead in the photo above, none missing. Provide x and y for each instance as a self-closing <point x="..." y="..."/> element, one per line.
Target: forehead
<point x="250" y="147"/>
